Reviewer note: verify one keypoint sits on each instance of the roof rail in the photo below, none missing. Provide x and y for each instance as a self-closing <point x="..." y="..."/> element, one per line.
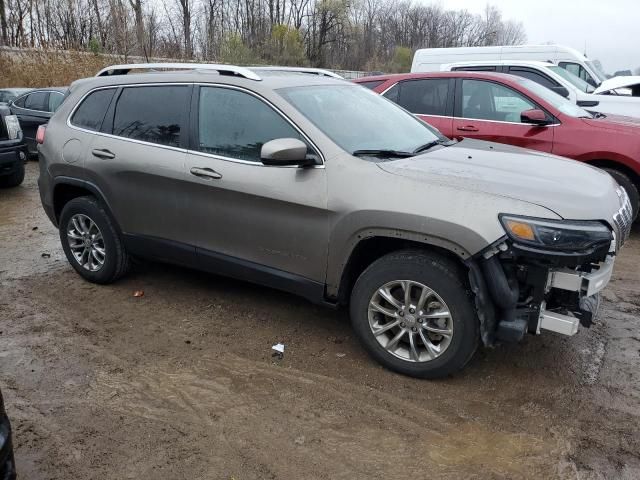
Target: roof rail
<point x="222" y="69"/>
<point x="312" y="71"/>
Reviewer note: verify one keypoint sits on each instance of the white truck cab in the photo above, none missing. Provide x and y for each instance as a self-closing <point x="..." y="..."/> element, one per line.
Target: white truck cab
<point x="431" y="59"/>
<point x="606" y="99"/>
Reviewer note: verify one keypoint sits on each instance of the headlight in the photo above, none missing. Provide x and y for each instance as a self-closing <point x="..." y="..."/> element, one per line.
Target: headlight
<point x="556" y="234"/>
<point x="13" y="126"/>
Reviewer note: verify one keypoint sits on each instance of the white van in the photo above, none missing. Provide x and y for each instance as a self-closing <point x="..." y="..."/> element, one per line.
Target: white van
<point x="431" y="59"/>
<point x="604" y="99"/>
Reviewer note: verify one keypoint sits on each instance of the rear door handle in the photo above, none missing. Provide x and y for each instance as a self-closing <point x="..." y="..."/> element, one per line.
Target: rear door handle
<point x="468" y="128"/>
<point x="101" y="153"/>
<point x="205" y="172"/>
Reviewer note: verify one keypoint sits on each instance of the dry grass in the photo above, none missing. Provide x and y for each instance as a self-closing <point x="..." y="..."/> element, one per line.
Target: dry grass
<point x="44" y="68"/>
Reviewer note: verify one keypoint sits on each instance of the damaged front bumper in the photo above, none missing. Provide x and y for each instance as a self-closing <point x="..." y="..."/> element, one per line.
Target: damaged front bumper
<point x="520" y="290"/>
<point x="586" y="285"/>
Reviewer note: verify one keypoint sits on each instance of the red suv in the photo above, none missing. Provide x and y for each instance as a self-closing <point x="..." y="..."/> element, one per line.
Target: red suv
<point x="508" y="109"/>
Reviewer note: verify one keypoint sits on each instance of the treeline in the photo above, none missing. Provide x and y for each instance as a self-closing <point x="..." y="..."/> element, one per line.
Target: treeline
<point x="348" y="34"/>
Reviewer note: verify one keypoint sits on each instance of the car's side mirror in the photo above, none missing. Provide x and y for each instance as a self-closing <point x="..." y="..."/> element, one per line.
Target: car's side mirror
<point x="535" y="117"/>
<point x="560" y="90"/>
<point x="283" y="152"/>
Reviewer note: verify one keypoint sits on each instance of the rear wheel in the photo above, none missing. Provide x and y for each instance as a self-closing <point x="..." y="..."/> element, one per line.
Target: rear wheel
<point x="632" y="190"/>
<point x="91" y="242"/>
<point x="15" y="179"/>
<point x="414" y="314"/>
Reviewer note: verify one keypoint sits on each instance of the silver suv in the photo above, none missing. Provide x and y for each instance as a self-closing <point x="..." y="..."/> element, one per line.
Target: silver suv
<point x="317" y="186"/>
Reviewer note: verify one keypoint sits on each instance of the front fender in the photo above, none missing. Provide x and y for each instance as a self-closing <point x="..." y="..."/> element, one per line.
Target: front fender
<point x="359" y="226"/>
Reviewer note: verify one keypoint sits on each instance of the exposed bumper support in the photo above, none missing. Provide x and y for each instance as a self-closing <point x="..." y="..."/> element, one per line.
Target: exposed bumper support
<point x="557" y="322"/>
<point x="585" y="284"/>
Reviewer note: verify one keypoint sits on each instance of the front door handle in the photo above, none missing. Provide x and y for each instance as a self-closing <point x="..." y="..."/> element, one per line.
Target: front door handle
<point x="102" y="153"/>
<point x="468" y="128"/>
<point x="205" y="172"/>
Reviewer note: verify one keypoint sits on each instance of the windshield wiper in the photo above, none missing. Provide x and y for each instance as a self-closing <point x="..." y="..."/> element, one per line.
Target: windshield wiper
<point x="382" y="153"/>
<point x="432" y="144"/>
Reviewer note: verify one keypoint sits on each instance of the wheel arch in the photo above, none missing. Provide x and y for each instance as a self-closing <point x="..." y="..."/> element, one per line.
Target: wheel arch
<point x="369" y="248"/>
<point x="66" y="189"/>
<point x="622" y="167"/>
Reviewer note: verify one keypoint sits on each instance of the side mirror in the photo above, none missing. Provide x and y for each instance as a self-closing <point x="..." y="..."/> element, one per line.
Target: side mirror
<point x="534" y="117"/>
<point x="560" y="90"/>
<point x="283" y="152"/>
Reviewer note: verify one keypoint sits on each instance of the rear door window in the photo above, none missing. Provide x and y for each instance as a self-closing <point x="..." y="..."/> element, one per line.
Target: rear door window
<point x="37" y="101"/>
<point x="154" y="114"/>
<point x="531" y="74"/>
<point x="55" y="100"/>
<point x="90" y="114"/>
<point x="236" y="124"/>
<point x="425" y="97"/>
<point x="393" y="93"/>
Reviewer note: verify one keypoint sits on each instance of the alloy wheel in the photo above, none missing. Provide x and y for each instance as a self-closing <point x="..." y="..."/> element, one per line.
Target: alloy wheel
<point x="410" y="320"/>
<point x="86" y="242"/>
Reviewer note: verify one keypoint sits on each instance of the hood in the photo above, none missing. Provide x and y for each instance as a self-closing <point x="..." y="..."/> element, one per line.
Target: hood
<point x="569" y="188"/>
<point x="618" y="82"/>
<point x="614" y="122"/>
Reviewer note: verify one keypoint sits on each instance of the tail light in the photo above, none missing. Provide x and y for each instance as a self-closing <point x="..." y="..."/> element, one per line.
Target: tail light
<point x="13" y="126"/>
<point x="42" y="129"/>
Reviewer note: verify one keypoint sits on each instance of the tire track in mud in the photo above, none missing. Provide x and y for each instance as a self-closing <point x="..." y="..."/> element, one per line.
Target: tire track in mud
<point x="245" y="389"/>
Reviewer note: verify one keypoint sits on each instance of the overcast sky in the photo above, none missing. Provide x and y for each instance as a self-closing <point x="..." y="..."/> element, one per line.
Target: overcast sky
<point x="610" y="28"/>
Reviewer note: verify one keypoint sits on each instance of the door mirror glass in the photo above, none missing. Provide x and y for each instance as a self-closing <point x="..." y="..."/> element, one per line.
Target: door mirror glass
<point x="534" y="116"/>
<point x="284" y="152"/>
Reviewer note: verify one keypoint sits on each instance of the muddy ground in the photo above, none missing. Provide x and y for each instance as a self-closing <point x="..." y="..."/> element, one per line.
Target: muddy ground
<point x="181" y="384"/>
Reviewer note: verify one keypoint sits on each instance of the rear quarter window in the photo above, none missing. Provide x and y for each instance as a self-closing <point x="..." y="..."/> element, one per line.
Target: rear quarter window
<point x="372" y="84"/>
<point x="90" y="114"/>
<point x="20" y="102"/>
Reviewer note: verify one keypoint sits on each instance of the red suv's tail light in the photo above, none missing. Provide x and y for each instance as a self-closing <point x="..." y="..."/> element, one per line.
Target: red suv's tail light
<point x="42" y="129"/>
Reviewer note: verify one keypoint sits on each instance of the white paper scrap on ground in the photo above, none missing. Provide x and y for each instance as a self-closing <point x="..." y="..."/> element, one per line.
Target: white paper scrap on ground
<point x="279" y="347"/>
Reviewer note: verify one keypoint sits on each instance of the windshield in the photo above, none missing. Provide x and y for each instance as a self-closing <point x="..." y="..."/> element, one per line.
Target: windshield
<point x="557" y="101"/>
<point x="597" y="69"/>
<point x="356" y="119"/>
<point x="576" y="81"/>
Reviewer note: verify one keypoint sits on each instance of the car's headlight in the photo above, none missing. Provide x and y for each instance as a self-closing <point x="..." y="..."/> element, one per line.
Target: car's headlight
<point x="556" y="234"/>
<point x="13" y="126"/>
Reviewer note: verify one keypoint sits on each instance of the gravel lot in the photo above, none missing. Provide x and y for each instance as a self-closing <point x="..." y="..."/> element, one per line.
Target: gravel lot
<point x="180" y="383"/>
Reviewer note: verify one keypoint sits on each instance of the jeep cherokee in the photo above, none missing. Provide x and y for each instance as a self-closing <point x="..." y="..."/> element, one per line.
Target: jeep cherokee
<point x="316" y="186"/>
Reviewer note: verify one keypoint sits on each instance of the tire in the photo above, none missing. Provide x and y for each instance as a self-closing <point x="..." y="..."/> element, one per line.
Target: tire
<point x="115" y="259"/>
<point x="632" y="190"/>
<point x="447" y="281"/>
<point x="15" y="179"/>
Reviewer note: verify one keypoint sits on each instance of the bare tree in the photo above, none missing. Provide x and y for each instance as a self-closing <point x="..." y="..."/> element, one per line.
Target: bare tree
<point x="352" y="34"/>
<point x="136" y="5"/>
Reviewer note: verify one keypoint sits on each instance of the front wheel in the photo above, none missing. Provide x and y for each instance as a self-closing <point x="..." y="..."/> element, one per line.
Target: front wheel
<point x="414" y="314"/>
